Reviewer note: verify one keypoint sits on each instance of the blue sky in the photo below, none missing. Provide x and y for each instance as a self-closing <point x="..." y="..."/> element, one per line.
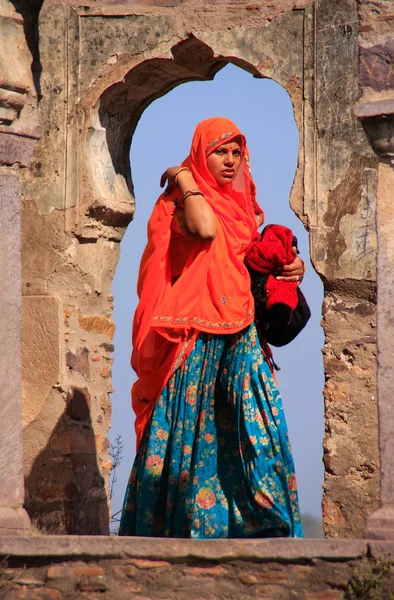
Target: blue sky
<point x="263" y="111"/>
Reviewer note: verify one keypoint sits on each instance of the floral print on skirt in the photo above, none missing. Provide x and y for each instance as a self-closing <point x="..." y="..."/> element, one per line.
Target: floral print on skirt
<point x="215" y="461"/>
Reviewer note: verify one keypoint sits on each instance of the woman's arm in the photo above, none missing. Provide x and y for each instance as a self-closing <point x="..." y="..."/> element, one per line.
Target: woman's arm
<point x="199" y="218"/>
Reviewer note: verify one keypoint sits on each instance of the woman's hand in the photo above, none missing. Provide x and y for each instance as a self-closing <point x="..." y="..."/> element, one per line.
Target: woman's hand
<point x="169" y="176"/>
<point x="294" y="271"/>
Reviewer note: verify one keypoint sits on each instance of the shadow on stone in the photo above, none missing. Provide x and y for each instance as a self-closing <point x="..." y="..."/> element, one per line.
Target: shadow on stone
<point x="65" y="491"/>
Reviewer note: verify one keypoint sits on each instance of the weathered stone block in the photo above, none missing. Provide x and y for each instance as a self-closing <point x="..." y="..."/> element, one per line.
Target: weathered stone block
<point x="376" y="66"/>
<point x="57" y="572"/>
<point x="99" y="261"/>
<point x="97" y="324"/>
<point x="91" y="584"/>
<point x="142" y="563"/>
<point x="40" y="352"/>
<point x="16" y="149"/>
<point x="29" y="581"/>
<point x="156" y="2"/>
<point x="325" y="595"/>
<point x="216" y="571"/>
<point x="76" y="441"/>
<point x="79" y="362"/>
<point x="51" y="492"/>
<point x="25" y="593"/>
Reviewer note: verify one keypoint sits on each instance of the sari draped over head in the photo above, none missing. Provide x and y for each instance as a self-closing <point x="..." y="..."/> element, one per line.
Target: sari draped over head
<point x="212" y="293"/>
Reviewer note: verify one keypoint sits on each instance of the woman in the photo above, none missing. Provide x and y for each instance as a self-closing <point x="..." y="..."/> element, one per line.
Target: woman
<point x="213" y="456"/>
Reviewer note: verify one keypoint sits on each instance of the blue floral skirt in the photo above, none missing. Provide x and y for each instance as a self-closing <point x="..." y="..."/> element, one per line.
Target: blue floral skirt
<point x="215" y="461"/>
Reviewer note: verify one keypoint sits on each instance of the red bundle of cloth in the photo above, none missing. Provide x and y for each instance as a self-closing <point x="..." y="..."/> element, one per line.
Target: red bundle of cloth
<point x="268" y="253"/>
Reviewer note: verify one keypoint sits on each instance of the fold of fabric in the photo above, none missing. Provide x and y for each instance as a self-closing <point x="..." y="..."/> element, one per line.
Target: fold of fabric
<point x="213" y="292"/>
<point x="216" y="460"/>
<point x="268" y="254"/>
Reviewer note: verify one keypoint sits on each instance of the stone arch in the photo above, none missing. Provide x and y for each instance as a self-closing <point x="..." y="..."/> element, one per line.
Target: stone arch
<point x="78" y="201"/>
<point x="112" y="122"/>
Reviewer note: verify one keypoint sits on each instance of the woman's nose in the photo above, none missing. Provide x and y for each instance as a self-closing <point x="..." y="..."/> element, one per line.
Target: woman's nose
<point x="229" y="158"/>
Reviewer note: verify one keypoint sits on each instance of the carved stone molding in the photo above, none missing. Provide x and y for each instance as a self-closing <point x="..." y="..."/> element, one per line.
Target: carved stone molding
<point x="15" y="62"/>
<point x="377" y="118"/>
<point x="380" y="131"/>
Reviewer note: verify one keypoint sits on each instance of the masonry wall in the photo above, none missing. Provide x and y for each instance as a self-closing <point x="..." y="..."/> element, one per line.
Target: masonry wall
<point x="96" y="67"/>
<point x="55" y="568"/>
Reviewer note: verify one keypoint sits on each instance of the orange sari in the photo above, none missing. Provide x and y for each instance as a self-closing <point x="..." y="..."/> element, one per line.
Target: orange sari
<point x="212" y="293"/>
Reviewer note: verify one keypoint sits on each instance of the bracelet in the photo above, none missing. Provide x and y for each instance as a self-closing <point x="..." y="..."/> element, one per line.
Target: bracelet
<point x="178" y="171"/>
<point x="194" y="192"/>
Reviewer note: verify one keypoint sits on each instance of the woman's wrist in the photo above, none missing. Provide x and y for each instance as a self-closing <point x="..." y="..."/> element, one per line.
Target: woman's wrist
<point x="185" y="181"/>
<point x="191" y="192"/>
<point x="180" y="170"/>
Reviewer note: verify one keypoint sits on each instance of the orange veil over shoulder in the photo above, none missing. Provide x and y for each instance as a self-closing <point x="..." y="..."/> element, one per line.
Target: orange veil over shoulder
<point x="212" y="294"/>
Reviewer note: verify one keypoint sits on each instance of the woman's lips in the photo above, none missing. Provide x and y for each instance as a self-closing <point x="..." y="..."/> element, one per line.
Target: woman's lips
<point x="228" y="173"/>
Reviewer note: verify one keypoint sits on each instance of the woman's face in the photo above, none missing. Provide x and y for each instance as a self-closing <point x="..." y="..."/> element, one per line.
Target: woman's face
<point x="224" y="162"/>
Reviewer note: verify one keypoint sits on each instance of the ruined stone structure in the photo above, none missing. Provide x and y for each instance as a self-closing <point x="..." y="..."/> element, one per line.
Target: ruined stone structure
<point x="74" y="79"/>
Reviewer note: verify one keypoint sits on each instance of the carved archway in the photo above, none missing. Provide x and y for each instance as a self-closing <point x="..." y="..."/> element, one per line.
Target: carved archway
<point x="78" y="202"/>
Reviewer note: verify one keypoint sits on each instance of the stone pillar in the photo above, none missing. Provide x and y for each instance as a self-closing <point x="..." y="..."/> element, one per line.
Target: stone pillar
<point x="12" y="516"/>
<point x="17" y="140"/>
<point x="378" y="121"/>
<point x="375" y="109"/>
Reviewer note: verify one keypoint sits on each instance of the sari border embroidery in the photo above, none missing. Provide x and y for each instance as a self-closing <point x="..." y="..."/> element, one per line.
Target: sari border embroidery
<point x="181" y="356"/>
<point x="201" y="322"/>
<point x="247" y="163"/>
<point x="218" y="140"/>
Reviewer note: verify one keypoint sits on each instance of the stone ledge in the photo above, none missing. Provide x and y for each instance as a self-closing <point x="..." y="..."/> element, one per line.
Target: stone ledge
<point x="278" y="550"/>
<point x="379" y="548"/>
<point x="16" y="148"/>
<point x="374" y="108"/>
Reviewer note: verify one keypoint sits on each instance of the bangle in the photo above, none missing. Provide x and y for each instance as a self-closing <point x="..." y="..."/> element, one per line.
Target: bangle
<point x="194" y="192"/>
<point x="178" y="171"/>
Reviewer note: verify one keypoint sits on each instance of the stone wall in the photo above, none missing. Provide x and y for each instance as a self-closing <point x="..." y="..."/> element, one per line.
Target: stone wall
<point x="56" y="568"/>
<point x="96" y="67"/>
<point x="375" y="108"/>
